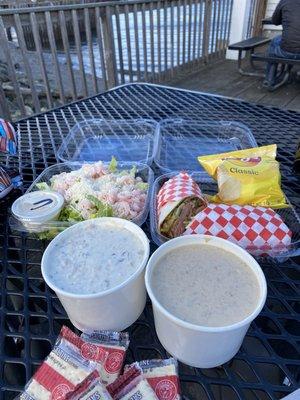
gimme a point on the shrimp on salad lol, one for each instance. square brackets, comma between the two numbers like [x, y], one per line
[97, 190]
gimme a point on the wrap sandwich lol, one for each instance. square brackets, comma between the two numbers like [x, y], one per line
[178, 201]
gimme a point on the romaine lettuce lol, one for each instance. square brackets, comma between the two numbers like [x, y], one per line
[113, 165]
[101, 209]
[43, 186]
[142, 185]
[70, 214]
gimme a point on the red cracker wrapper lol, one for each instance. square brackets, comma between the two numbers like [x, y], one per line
[173, 192]
[106, 349]
[132, 385]
[91, 389]
[114, 345]
[261, 231]
[87, 350]
[162, 376]
[63, 371]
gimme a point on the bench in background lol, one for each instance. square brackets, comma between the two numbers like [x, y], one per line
[286, 66]
[249, 45]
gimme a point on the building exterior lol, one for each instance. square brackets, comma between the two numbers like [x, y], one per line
[271, 30]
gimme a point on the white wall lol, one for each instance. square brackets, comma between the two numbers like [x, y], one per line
[240, 13]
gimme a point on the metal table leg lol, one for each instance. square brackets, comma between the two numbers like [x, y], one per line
[248, 73]
[285, 79]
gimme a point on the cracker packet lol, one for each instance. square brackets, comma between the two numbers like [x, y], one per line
[91, 389]
[62, 372]
[162, 375]
[115, 345]
[132, 385]
[246, 177]
[106, 349]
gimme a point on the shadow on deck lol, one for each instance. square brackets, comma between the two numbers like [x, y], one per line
[223, 78]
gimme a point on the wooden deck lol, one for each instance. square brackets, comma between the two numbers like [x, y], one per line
[152, 40]
[223, 78]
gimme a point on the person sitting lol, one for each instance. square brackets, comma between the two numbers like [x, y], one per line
[287, 14]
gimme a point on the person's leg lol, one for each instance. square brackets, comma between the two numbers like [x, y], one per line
[278, 52]
[271, 69]
[286, 75]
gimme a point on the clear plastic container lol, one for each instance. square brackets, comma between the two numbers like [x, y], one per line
[181, 141]
[98, 139]
[143, 170]
[209, 186]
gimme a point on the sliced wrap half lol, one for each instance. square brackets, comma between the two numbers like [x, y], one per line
[178, 201]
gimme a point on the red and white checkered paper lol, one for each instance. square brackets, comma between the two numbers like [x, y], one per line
[176, 189]
[259, 230]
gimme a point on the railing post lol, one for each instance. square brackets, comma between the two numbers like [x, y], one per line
[4, 110]
[207, 29]
[109, 47]
[259, 15]
[11, 68]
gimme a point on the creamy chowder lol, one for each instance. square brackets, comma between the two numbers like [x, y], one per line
[94, 258]
[205, 285]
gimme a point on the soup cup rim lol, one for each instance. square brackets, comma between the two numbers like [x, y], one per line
[183, 241]
[122, 223]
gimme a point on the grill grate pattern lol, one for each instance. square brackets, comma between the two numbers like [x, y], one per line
[266, 367]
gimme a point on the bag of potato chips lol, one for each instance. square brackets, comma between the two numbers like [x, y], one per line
[246, 177]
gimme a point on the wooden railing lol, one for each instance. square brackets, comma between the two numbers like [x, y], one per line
[58, 54]
[257, 13]
[38, 3]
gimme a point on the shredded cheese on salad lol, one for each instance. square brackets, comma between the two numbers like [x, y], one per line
[97, 190]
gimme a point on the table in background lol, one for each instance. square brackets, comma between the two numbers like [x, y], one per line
[267, 21]
[268, 364]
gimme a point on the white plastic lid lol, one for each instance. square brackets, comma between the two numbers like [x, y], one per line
[38, 206]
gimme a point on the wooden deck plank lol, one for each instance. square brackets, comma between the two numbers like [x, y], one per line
[223, 78]
[295, 104]
[284, 95]
[238, 85]
[253, 93]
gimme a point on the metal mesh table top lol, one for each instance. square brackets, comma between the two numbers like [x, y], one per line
[268, 363]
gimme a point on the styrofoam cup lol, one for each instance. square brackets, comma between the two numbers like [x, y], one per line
[114, 309]
[194, 345]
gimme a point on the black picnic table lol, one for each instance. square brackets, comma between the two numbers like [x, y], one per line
[267, 21]
[268, 363]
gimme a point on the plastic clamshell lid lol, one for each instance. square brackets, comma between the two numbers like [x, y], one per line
[181, 141]
[38, 206]
[98, 139]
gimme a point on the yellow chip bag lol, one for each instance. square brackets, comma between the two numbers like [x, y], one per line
[246, 177]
